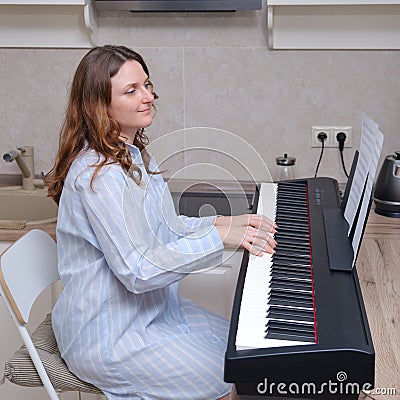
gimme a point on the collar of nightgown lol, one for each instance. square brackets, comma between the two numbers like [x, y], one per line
[136, 157]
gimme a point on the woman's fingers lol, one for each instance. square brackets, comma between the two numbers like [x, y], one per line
[262, 222]
[259, 241]
[252, 232]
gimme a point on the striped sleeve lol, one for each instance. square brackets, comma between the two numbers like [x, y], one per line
[131, 246]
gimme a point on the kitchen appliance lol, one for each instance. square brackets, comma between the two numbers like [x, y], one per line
[387, 187]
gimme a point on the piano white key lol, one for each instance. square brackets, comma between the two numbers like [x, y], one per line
[254, 304]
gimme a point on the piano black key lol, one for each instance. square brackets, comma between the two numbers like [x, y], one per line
[286, 267]
[291, 278]
[291, 326]
[296, 331]
[287, 284]
[287, 313]
[291, 337]
[295, 222]
[291, 198]
[290, 274]
[297, 210]
[284, 244]
[293, 293]
[287, 261]
[288, 301]
[292, 238]
[295, 252]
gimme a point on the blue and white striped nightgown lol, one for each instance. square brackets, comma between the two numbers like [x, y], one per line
[119, 322]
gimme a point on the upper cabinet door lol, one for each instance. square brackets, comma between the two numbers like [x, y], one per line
[47, 23]
[333, 24]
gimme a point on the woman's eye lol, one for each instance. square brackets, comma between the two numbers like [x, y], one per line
[131, 91]
[148, 85]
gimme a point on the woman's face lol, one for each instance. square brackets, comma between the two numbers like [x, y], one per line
[131, 99]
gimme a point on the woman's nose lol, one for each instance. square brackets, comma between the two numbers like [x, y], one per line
[147, 96]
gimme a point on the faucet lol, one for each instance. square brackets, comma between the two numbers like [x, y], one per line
[23, 156]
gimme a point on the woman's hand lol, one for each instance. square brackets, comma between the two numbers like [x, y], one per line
[253, 232]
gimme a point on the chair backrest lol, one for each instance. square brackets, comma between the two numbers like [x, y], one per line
[27, 268]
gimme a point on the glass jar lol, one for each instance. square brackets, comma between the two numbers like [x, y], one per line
[286, 167]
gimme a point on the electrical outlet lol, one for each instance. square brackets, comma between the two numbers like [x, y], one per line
[331, 132]
[345, 129]
[315, 131]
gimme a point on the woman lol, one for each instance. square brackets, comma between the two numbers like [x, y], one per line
[119, 322]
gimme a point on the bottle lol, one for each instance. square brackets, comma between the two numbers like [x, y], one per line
[286, 167]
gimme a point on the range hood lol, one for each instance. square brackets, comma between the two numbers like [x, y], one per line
[177, 5]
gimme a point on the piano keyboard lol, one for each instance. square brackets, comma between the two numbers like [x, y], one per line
[277, 307]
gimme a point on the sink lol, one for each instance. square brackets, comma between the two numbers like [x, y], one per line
[32, 206]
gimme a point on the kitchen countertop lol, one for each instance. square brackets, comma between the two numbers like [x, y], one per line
[377, 226]
[11, 235]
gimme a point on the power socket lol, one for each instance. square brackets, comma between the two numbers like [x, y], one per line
[347, 130]
[316, 130]
[331, 132]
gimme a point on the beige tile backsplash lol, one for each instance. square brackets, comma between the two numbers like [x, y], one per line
[213, 71]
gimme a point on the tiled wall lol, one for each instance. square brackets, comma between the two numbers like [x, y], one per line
[213, 70]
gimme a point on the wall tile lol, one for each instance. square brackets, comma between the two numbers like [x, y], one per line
[271, 99]
[212, 70]
[35, 86]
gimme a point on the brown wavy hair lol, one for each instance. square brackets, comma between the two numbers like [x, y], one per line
[87, 122]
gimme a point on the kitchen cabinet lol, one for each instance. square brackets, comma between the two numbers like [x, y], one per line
[214, 290]
[333, 24]
[47, 23]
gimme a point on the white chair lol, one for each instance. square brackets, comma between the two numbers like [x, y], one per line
[27, 268]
